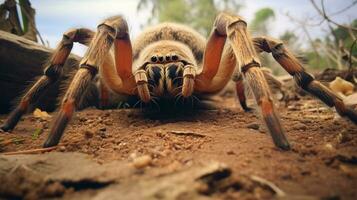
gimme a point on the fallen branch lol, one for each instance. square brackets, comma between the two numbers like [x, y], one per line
[268, 184]
[323, 13]
[31, 151]
[187, 133]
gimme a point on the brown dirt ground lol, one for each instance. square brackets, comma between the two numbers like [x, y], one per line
[322, 162]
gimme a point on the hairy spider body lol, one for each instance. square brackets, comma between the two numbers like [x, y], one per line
[169, 61]
[164, 52]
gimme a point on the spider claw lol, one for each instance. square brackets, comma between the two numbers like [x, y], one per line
[4, 128]
[245, 107]
[273, 124]
[351, 114]
[276, 131]
[12, 120]
[57, 130]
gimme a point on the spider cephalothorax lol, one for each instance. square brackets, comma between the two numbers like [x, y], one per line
[169, 60]
[164, 63]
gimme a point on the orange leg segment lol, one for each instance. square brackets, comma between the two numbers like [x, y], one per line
[51, 74]
[306, 81]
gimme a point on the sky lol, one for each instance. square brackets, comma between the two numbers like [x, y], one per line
[53, 17]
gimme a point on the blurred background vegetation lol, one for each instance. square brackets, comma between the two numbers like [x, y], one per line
[332, 51]
[336, 49]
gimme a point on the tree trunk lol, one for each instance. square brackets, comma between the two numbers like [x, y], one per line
[22, 60]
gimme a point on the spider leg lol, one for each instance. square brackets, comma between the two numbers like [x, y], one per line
[93, 60]
[189, 74]
[218, 61]
[305, 80]
[142, 85]
[103, 95]
[117, 75]
[216, 72]
[240, 90]
[249, 64]
[51, 74]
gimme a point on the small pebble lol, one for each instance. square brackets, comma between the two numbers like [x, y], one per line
[300, 126]
[88, 134]
[231, 152]
[329, 147]
[62, 148]
[254, 126]
[343, 137]
[142, 161]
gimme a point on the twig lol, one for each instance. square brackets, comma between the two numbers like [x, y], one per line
[350, 61]
[187, 133]
[303, 27]
[268, 184]
[344, 9]
[31, 151]
[34, 26]
[350, 75]
[326, 17]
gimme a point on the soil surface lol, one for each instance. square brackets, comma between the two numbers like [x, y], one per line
[161, 148]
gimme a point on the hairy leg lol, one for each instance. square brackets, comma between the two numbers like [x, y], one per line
[305, 80]
[103, 95]
[93, 60]
[51, 74]
[219, 61]
[240, 91]
[249, 64]
[216, 73]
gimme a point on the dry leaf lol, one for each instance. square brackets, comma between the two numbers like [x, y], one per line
[341, 86]
[41, 114]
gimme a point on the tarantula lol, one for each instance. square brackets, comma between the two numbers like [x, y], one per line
[169, 60]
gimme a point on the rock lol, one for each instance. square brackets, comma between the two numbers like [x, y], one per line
[349, 170]
[88, 134]
[343, 137]
[77, 176]
[62, 148]
[24, 64]
[300, 126]
[329, 147]
[47, 175]
[351, 100]
[41, 114]
[341, 86]
[253, 125]
[142, 161]
[230, 152]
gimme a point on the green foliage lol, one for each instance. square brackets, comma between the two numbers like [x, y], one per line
[316, 62]
[198, 14]
[261, 20]
[203, 15]
[173, 10]
[288, 37]
[343, 35]
[25, 20]
[329, 49]
[37, 133]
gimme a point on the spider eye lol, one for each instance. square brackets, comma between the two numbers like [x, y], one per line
[153, 59]
[174, 57]
[161, 58]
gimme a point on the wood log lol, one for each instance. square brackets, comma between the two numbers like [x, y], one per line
[24, 178]
[329, 75]
[21, 61]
